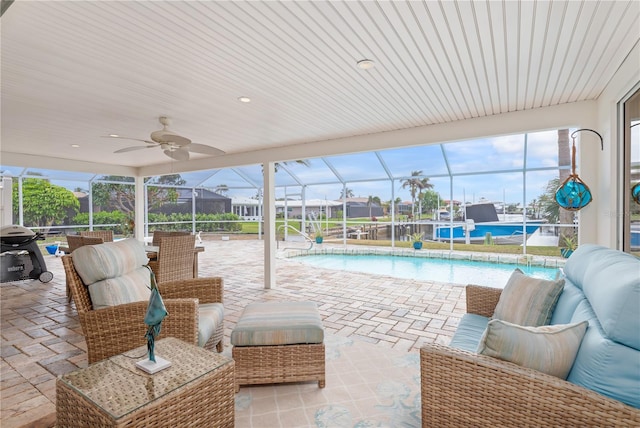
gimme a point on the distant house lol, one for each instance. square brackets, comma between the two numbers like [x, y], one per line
[249, 209]
[316, 207]
[403, 207]
[359, 207]
[206, 201]
[246, 208]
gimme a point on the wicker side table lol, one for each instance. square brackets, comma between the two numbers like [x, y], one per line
[197, 390]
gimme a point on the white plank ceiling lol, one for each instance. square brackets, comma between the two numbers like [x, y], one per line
[73, 71]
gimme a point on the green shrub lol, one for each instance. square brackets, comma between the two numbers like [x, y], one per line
[170, 222]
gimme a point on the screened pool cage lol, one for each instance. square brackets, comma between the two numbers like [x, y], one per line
[490, 191]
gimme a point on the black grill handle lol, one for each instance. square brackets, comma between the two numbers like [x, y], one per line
[28, 240]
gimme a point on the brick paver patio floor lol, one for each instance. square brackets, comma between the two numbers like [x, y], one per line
[42, 338]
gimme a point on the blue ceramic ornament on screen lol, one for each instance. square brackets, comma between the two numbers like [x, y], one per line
[573, 194]
[635, 193]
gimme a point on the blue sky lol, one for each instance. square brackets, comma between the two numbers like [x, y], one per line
[477, 156]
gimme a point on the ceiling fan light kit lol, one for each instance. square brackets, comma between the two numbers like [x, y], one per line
[173, 145]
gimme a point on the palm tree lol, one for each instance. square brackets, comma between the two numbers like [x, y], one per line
[415, 185]
[303, 162]
[424, 185]
[346, 193]
[532, 206]
[276, 165]
[548, 207]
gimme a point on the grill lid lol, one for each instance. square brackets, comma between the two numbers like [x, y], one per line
[15, 230]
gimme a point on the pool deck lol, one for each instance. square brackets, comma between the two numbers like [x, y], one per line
[42, 338]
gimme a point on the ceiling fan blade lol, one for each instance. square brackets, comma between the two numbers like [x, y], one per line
[128, 138]
[204, 149]
[177, 154]
[130, 149]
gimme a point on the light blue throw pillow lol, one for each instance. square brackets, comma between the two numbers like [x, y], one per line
[528, 301]
[550, 349]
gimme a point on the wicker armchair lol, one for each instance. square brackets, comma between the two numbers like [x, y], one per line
[106, 235]
[116, 329]
[174, 260]
[159, 234]
[460, 388]
[76, 241]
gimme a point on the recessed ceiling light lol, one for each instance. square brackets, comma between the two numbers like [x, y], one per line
[114, 135]
[366, 64]
[244, 99]
[75, 146]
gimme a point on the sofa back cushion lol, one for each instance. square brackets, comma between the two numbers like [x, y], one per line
[602, 286]
[569, 300]
[610, 280]
[604, 365]
[114, 272]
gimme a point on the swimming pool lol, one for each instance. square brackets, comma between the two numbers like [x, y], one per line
[480, 231]
[426, 268]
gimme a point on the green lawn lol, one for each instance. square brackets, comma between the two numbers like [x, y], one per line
[251, 228]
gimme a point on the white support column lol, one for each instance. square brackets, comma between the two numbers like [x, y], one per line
[7, 202]
[344, 213]
[138, 232]
[303, 210]
[393, 214]
[269, 202]
[91, 204]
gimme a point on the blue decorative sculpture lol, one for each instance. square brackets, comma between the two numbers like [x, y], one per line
[156, 312]
[573, 194]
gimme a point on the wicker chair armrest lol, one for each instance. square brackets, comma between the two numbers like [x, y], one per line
[482, 300]
[154, 265]
[182, 321]
[116, 329]
[460, 388]
[206, 290]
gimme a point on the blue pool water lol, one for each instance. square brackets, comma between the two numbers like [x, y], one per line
[429, 269]
[481, 230]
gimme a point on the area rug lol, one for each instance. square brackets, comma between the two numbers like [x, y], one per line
[366, 386]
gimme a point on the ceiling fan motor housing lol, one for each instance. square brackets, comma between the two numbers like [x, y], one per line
[165, 136]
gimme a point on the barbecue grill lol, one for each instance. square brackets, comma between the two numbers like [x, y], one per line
[21, 257]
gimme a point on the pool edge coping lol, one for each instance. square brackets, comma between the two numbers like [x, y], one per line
[498, 258]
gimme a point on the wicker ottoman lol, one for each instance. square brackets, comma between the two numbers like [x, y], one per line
[278, 342]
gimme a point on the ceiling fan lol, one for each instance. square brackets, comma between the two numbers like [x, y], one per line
[175, 146]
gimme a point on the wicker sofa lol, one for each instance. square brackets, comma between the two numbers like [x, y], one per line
[462, 388]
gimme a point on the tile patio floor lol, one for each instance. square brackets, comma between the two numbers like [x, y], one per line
[42, 338]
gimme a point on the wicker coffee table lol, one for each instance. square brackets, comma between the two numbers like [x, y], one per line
[197, 390]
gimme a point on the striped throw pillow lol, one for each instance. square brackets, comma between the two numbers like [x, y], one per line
[528, 301]
[550, 349]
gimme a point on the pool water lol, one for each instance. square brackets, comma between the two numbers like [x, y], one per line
[428, 269]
